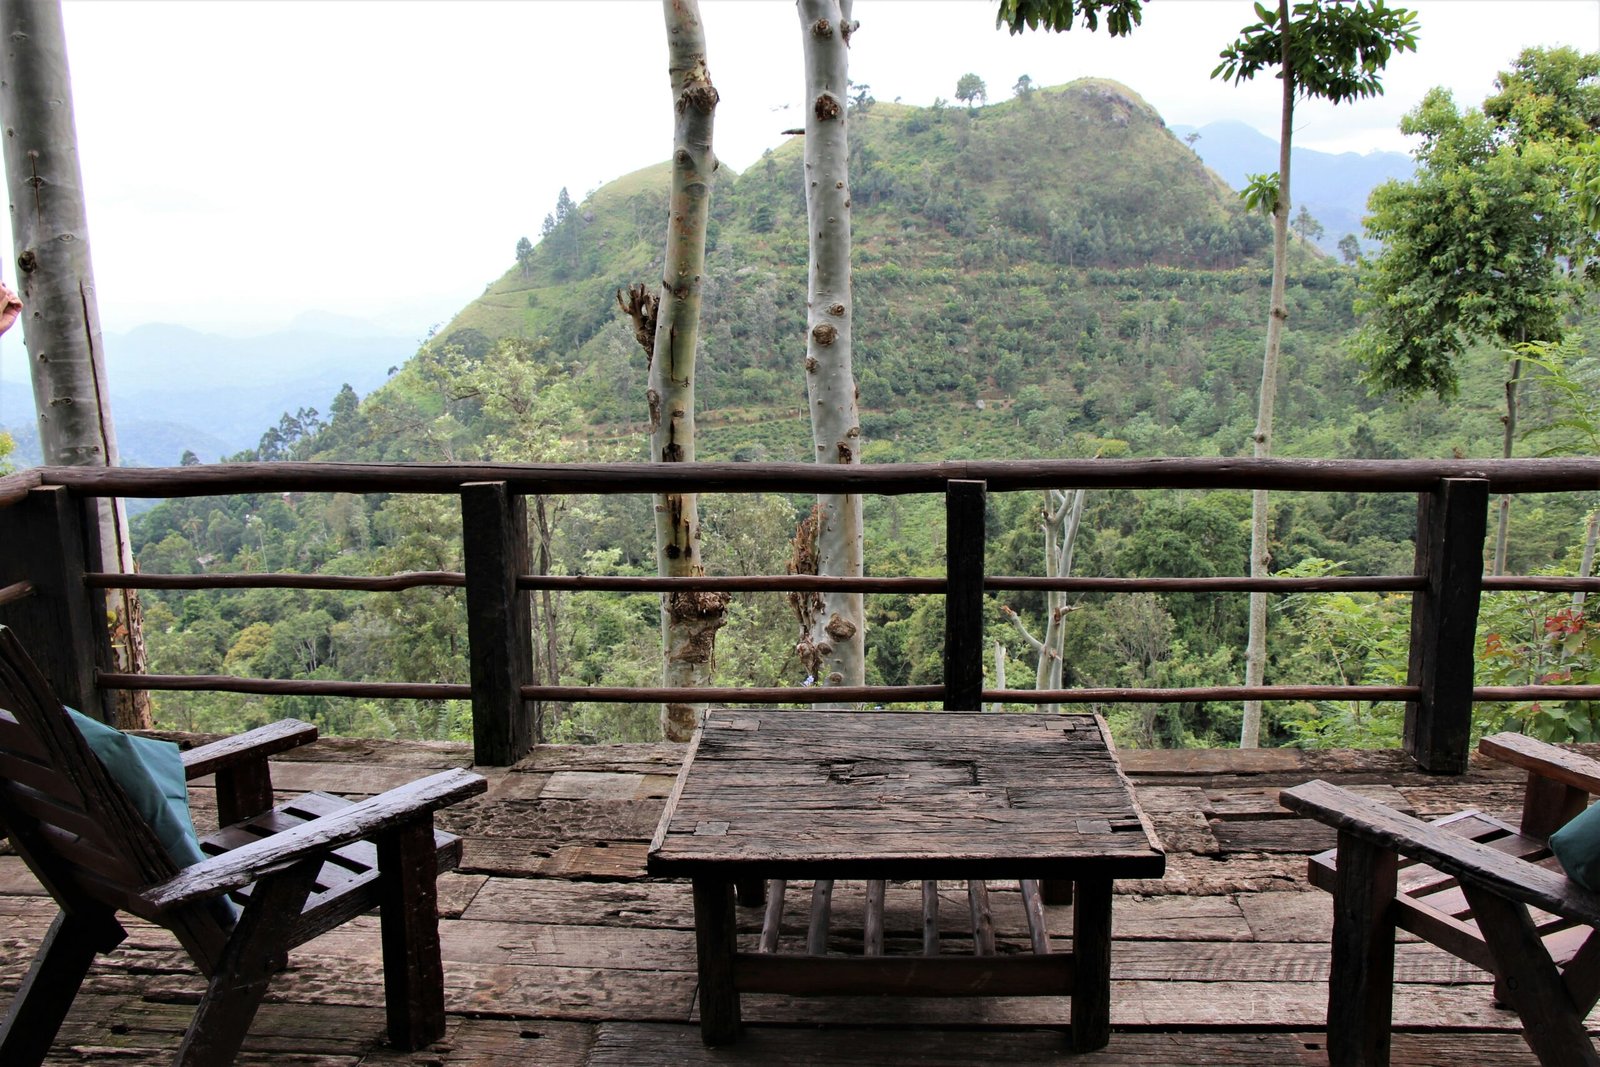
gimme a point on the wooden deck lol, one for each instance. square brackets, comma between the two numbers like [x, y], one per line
[560, 952]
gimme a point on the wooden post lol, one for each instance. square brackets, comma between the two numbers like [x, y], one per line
[1444, 622]
[1091, 956]
[413, 971]
[62, 622]
[1361, 977]
[963, 600]
[494, 539]
[716, 941]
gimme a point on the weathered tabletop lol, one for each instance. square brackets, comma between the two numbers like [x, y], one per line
[885, 795]
[802, 794]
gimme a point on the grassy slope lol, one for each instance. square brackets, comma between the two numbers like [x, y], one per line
[1066, 242]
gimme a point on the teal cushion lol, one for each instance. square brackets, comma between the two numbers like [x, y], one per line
[1577, 846]
[151, 773]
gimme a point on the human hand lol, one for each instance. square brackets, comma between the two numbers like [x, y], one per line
[10, 307]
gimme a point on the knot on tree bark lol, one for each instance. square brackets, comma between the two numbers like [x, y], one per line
[846, 453]
[836, 310]
[827, 107]
[678, 721]
[701, 605]
[840, 628]
[808, 655]
[703, 98]
[642, 307]
[811, 364]
[822, 28]
[653, 398]
[824, 333]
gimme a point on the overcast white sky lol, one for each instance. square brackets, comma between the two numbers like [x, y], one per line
[249, 161]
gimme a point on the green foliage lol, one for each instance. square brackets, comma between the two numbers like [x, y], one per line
[1058, 15]
[6, 445]
[1570, 379]
[1093, 292]
[1260, 193]
[1538, 639]
[970, 90]
[1335, 51]
[1475, 246]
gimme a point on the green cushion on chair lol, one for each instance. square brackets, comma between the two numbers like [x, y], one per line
[1577, 846]
[151, 773]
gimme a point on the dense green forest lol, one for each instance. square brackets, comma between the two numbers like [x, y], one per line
[1054, 276]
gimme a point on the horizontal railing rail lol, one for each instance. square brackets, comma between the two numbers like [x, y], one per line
[884, 479]
[1445, 587]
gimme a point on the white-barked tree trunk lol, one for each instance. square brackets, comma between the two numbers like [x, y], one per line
[833, 644]
[689, 620]
[61, 319]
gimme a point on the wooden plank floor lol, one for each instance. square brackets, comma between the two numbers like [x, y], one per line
[559, 952]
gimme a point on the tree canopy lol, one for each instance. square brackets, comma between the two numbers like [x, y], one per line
[1058, 15]
[1483, 243]
[1335, 52]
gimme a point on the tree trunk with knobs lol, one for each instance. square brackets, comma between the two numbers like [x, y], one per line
[61, 318]
[689, 620]
[832, 643]
[1255, 657]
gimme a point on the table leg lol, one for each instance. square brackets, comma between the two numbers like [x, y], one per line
[715, 936]
[1091, 952]
[1055, 891]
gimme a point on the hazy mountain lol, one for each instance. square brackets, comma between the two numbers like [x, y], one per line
[1333, 187]
[173, 388]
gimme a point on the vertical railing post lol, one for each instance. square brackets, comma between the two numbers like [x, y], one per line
[62, 623]
[963, 600]
[1451, 520]
[494, 541]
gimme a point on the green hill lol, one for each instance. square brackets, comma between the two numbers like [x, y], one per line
[1057, 275]
[992, 251]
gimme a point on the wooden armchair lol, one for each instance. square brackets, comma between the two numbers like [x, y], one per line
[299, 869]
[1487, 892]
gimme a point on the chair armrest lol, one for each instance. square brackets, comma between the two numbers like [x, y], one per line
[254, 744]
[1544, 759]
[245, 864]
[1468, 860]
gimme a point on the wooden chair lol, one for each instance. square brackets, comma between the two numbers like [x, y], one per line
[1484, 890]
[300, 869]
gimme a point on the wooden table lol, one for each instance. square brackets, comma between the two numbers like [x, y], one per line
[769, 794]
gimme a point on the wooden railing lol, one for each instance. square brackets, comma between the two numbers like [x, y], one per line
[52, 588]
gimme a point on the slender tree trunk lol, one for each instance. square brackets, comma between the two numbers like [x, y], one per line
[61, 322]
[999, 672]
[1586, 566]
[1508, 438]
[1066, 512]
[833, 644]
[1255, 659]
[546, 661]
[1061, 512]
[689, 621]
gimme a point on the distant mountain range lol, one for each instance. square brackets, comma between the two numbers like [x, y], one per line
[1332, 186]
[175, 389]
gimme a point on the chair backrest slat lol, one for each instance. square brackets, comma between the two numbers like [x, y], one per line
[120, 848]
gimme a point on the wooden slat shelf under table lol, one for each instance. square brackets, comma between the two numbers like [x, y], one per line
[777, 794]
